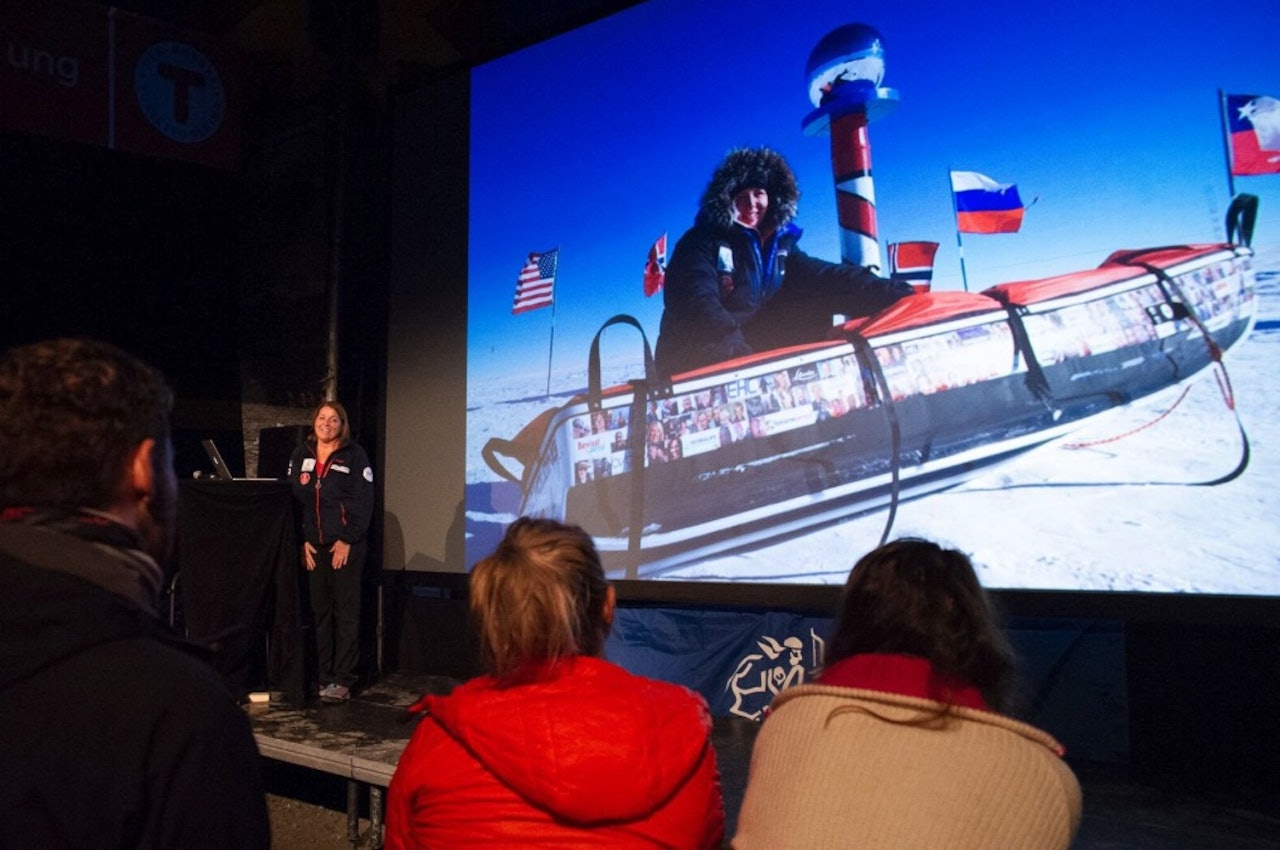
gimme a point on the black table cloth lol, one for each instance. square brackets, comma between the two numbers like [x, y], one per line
[240, 581]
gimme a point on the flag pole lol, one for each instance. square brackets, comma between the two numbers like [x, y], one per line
[955, 213]
[1226, 142]
[551, 346]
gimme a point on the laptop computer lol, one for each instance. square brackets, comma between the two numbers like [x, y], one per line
[215, 457]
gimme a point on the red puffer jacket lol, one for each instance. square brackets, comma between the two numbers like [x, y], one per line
[586, 756]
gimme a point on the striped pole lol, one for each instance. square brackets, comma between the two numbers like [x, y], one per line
[845, 70]
[855, 190]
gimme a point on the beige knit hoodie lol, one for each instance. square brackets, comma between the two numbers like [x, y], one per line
[845, 767]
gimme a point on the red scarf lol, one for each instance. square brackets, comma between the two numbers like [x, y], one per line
[907, 675]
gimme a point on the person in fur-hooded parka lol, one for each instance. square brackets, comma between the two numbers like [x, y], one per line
[737, 283]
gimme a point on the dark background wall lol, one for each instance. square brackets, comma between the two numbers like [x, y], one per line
[259, 286]
[138, 251]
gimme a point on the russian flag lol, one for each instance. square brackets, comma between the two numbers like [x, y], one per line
[985, 206]
[1254, 125]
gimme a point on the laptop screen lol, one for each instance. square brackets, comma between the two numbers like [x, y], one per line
[215, 456]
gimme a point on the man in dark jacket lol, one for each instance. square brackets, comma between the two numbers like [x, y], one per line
[114, 732]
[737, 282]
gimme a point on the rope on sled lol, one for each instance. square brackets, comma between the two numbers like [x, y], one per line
[1242, 464]
[1183, 308]
[1118, 437]
[1224, 386]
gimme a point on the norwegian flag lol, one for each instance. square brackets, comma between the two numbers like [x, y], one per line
[912, 262]
[655, 268]
[535, 287]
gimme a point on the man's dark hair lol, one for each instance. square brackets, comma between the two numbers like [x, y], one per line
[71, 413]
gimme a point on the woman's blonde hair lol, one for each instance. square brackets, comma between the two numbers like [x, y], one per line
[539, 598]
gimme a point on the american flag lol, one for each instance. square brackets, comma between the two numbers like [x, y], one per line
[536, 284]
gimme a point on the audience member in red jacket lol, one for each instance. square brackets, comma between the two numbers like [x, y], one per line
[555, 747]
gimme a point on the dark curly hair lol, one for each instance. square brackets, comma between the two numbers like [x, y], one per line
[750, 168]
[71, 413]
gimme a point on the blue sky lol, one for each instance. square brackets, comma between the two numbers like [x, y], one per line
[600, 140]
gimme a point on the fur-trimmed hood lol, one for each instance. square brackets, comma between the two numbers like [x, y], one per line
[745, 168]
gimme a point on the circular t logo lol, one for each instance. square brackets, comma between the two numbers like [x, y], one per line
[179, 91]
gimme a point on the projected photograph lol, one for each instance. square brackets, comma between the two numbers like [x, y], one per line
[749, 295]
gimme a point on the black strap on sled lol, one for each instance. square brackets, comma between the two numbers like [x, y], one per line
[1037, 381]
[1178, 299]
[641, 389]
[866, 353]
[593, 359]
[1179, 306]
[1241, 217]
[498, 446]
[1174, 296]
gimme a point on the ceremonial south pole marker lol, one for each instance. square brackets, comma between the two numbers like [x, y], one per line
[845, 71]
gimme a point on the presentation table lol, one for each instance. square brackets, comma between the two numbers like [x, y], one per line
[239, 580]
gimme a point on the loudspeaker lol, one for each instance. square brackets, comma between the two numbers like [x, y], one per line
[275, 447]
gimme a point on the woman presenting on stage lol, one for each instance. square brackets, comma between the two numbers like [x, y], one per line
[333, 480]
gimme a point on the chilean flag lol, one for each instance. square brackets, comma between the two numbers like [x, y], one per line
[985, 206]
[1254, 125]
